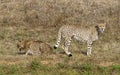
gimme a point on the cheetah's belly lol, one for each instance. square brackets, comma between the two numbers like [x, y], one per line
[80, 38]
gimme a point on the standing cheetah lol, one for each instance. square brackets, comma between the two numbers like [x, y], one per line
[85, 34]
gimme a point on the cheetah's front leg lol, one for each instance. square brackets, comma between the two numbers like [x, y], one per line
[66, 46]
[89, 48]
[29, 52]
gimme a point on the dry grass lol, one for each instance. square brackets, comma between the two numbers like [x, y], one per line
[41, 19]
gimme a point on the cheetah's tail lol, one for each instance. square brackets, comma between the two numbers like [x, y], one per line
[58, 40]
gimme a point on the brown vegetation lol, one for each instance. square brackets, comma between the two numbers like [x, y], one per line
[41, 19]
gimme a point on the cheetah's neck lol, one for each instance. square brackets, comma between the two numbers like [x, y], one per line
[98, 30]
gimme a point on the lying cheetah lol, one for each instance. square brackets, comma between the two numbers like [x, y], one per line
[33, 47]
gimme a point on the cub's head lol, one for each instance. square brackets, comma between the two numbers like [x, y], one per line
[20, 45]
[23, 46]
[101, 27]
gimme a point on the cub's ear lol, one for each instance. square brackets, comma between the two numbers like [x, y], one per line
[18, 41]
[18, 45]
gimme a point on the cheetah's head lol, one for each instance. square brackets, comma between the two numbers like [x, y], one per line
[102, 27]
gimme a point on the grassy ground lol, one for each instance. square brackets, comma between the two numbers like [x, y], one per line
[41, 19]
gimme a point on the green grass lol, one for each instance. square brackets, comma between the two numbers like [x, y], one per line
[36, 68]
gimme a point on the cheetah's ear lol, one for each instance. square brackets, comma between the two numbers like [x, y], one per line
[104, 23]
[97, 27]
